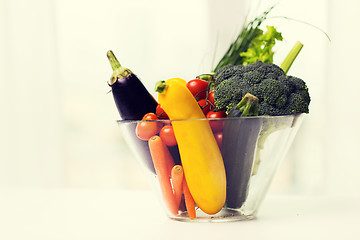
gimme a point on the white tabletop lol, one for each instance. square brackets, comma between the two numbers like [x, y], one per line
[116, 214]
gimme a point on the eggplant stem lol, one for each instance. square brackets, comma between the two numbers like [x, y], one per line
[119, 71]
[115, 64]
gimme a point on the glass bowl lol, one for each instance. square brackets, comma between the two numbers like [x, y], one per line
[251, 148]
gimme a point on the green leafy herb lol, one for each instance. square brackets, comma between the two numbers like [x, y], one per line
[261, 47]
[242, 42]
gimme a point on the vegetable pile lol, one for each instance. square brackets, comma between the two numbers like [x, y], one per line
[197, 142]
[194, 160]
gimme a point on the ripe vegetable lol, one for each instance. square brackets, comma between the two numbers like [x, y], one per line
[168, 136]
[160, 112]
[216, 125]
[131, 97]
[177, 177]
[162, 160]
[150, 116]
[147, 128]
[132, 100]
[278, 94]
[189, 201]
[200, 155]
[211, 99]
[242, 133]
[238, 161]
[204, 105]
[198, 88]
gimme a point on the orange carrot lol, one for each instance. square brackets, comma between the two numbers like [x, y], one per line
[170, 163]
[189, 201]
[160, 156]
[177, 176]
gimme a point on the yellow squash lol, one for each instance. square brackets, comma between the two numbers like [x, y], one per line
[200, 155]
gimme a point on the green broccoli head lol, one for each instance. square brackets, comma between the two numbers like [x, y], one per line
[278, 94]
[272, 92]
[227, 72]
[298, 102]
[298, 97]
[228, 92]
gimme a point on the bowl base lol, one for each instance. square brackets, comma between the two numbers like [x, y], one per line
[225, 215]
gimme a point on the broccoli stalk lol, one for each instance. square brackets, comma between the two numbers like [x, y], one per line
[286, 64]
[248, 106]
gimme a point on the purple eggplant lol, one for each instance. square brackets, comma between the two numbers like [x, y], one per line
[133, 101]
[240, 137]
[131, 97]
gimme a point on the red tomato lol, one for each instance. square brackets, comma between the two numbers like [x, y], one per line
[145, 130]
[216, 114]
[161, 113]
[211, 98]
[204, 105]
[198, 88]
[216, 125]
[167, 135]
[150, 116]
[218, 137]
[153, 116]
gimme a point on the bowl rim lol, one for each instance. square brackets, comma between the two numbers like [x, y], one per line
[122, 121]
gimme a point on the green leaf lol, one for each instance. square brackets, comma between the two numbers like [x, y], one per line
[261, 47]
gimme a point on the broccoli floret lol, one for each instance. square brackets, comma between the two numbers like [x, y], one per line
[298, 102]
[253, 77]
[297, 83]
[251, 67]
[287, 84]
[272, 92]
[267, 109]
[299, 98]
[228, 72]
[278, 94]
[226, 94]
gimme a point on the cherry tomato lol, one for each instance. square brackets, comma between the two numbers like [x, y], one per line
[218, 137]
[167, 135]
[198, 88]
[204, 105]
[161, 113]
[150, 116]
[153, 116]
[147, 128]
[216, 125]
[211, 98]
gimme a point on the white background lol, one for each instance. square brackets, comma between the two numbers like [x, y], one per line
[57, 125]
